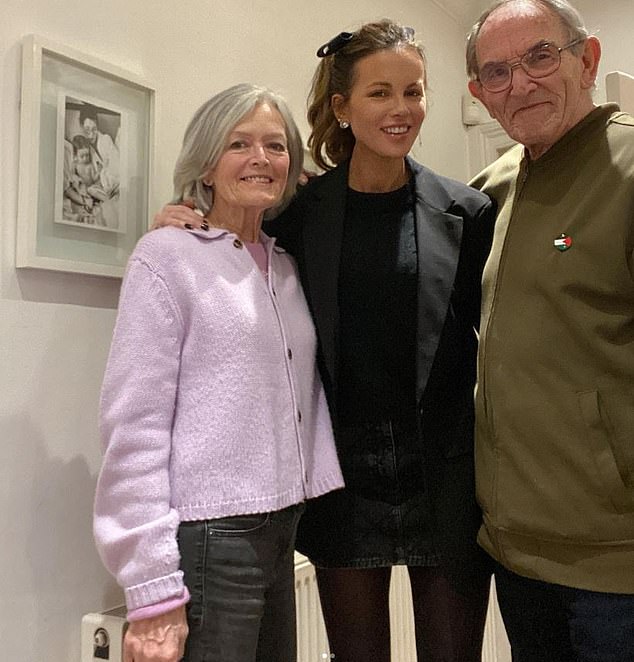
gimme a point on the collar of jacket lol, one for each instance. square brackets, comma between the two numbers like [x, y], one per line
[438, 238]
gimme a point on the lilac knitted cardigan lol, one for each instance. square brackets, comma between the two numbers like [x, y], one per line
[211, 403]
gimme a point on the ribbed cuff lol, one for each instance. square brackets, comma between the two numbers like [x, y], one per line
[154, 591]
[159, 608]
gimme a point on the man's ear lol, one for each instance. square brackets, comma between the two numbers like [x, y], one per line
[591, 57]
[477, 91]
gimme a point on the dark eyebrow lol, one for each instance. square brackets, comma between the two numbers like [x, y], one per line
[382, 83]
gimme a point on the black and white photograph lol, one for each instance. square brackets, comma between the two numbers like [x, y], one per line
[89, 172]
[86, 152]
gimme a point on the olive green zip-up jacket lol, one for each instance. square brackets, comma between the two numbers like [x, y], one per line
[555, 397]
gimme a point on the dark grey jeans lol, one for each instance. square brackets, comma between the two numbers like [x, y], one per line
[240, 573]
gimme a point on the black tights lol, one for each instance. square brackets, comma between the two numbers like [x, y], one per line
[355, 602]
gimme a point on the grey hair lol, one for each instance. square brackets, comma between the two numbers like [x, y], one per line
[206, 137]
[568, 16]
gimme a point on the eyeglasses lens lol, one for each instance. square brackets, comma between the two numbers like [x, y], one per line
[537, 63]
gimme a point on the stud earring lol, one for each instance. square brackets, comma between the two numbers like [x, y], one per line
[343, 124]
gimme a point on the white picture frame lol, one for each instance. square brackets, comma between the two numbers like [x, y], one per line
[86, 161]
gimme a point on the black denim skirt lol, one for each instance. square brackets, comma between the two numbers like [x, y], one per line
[382, 517]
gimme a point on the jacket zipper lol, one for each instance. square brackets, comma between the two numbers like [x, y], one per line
[488, 409]
[522, 177]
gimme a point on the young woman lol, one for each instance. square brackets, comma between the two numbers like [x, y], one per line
[390, 256]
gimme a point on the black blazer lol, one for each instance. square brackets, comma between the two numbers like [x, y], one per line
[454, 227]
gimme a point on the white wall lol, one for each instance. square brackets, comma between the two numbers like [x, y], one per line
[55, 328]
[613, 22]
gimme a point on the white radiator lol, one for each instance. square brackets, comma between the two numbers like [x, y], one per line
[102, 634]
[312, 644]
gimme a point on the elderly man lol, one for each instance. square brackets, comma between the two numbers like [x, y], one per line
[555, 401]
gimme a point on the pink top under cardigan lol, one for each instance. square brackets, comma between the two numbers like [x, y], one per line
[211, 403]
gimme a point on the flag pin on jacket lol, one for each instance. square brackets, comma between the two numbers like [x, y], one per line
[563, 242]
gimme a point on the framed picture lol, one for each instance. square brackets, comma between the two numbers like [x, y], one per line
[86, 150]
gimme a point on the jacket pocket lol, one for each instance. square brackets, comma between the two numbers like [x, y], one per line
[606, 415]
[617, 411]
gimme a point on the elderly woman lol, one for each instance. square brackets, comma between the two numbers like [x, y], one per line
[213, 416]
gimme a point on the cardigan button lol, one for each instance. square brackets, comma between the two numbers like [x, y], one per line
[237, 243]
[290, 353]
[299, 416]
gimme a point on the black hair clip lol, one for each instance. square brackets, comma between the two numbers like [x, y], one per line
[335, 44]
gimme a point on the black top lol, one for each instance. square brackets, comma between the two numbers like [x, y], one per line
[377, 304]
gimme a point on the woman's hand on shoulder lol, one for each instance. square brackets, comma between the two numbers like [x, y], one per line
[183, 215]
[305, 176]
[157, 639]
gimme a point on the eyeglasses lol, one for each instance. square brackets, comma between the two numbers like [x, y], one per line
[538, 62]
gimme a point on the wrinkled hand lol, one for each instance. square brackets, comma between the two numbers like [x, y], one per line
[158, 639]
[181, 216]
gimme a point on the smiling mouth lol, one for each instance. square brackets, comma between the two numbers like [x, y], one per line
[395, 130]
[257, 179]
